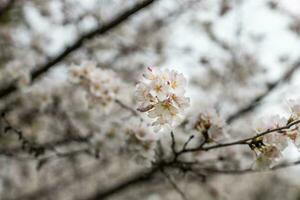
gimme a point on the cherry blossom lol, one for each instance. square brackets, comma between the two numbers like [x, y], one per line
[267, 157]
[210, 124]
[162, 95]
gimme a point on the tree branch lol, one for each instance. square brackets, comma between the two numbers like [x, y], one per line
[40, 70]
[242, 141]
[148, 174]
[174, 163]
[174, 185]
[256, 101]
[6, 7]
[135, 179]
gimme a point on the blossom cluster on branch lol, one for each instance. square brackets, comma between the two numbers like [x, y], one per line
[162, 95]
[209, 124]
[268, 148]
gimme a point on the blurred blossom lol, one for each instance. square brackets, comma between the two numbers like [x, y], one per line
[266, 158]
[141, 141]
[268, 148]
[102, 86]
[17, 71]
[295, 107]
[271, 122]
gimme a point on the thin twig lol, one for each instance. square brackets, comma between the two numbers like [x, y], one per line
[187, 142]
[242, 141]
[174, 185]
[173, 144]
[126, 107]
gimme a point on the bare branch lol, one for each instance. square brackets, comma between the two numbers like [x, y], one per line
[173, 144]
[187, 142]
[135, 179]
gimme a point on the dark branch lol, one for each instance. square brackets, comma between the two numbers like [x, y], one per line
[40, 70]
[148, 175]
[126, 107]
[255, 102]
[6, 7]
[137, 178]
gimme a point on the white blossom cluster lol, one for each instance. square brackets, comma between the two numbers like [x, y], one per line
[162, 95]
[102, 86]
[269, 150]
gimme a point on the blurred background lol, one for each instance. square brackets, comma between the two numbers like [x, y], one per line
[241, 57]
